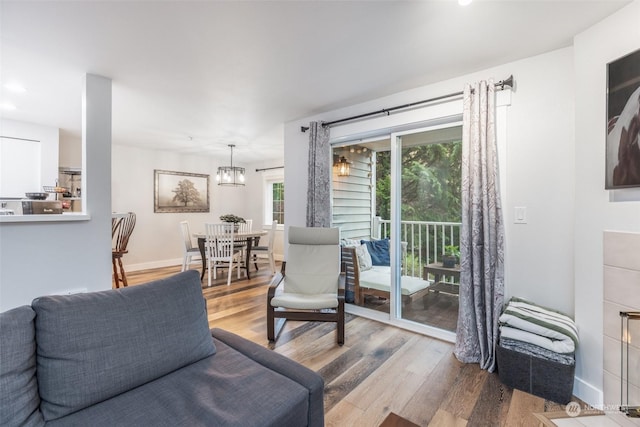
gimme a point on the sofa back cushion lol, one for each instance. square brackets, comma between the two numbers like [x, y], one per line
[19, 399]
[96, 345]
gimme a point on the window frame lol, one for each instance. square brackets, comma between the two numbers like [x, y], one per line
[268, 179]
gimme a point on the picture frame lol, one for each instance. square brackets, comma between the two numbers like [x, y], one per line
[623, 122]
[177, 192]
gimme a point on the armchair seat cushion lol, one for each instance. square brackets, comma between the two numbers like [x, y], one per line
[304, 301]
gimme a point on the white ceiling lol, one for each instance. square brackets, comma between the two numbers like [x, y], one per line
[194, 76]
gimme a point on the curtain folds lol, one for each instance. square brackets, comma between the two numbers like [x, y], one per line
[482, 232]
[318, 194]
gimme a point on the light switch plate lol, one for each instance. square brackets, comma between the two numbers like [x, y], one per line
[520, 215]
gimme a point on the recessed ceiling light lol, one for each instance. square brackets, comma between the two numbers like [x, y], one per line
[7, 106]
[464, 2]
[15, 87]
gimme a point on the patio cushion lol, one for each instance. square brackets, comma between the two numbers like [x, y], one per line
[364, 259]
[379, 251]
[380, 278]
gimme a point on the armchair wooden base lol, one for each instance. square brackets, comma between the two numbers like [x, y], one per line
[277, 316]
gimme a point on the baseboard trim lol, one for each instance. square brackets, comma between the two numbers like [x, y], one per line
[153, 264]
[588, 393]
[170, 263]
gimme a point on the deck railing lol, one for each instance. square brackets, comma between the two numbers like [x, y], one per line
[425, 241]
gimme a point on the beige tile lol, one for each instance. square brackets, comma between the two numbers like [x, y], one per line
[623, 420]
[611, 357]
[611, 388]
[622, 249]
[622, 286]
[611, 319]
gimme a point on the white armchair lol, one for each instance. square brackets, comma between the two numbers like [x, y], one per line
[311, 287]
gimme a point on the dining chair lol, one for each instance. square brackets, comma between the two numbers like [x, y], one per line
[264, 254]
[220, 251]
[243, 227]
[312, 286]
[119, 242]
[190, 253]
[246, 226]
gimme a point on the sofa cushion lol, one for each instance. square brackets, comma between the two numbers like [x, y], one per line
[379, 251]
[226, 389]
[19, 399]
[94, 346]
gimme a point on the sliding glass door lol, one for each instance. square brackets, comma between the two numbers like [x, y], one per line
[404, 187]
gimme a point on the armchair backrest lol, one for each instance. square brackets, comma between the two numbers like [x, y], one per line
[313, 264]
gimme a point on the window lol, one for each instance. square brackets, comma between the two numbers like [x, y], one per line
[274, 199]
[277, 191]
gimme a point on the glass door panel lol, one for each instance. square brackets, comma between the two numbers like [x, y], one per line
[426, 221]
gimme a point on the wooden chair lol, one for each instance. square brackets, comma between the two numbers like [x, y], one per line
[120, 235]
[312, 287]
[264, 254]
[220, 251]
[190, 253]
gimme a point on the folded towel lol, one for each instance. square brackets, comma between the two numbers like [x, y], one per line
[537, 351]
[558, 346]
[558, 330]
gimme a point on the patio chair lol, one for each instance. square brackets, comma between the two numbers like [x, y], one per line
[311, 287]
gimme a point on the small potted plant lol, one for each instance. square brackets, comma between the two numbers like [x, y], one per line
[233, 219]
[451, 256]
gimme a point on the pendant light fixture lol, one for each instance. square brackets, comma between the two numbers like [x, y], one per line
[232, 176]
[343, 166]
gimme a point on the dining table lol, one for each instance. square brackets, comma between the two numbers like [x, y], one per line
[249, 238]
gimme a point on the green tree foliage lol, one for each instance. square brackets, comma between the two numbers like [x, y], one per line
[431, 179]
[186, 192]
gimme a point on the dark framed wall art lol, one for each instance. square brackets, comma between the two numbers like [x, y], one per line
[180, 192]
[623, 122]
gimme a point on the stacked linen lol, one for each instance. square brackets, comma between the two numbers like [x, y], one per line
[531, 329]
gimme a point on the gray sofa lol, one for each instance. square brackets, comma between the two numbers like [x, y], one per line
[144, 356]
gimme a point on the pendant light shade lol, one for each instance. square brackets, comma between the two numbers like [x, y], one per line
[232, 176]
[343, 166]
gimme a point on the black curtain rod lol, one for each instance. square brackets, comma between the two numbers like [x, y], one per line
[268, 169]
[508, 82]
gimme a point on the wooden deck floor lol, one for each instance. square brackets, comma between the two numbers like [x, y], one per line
[380, 369]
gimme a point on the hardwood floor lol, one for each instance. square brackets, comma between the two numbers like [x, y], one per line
[380, 369]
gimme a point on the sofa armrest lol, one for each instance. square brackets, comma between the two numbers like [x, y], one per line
[284, 366]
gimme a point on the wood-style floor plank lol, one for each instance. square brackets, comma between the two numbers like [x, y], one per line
[380, 369]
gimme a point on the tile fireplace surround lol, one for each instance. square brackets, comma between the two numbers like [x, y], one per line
[621, 293]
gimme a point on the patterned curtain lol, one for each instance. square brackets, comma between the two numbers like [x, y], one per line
[482, 232]
[318, 196]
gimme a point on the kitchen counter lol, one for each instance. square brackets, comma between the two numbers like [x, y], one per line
[64, 217]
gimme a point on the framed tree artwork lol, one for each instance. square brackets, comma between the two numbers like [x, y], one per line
[623, 122]
[180, 192]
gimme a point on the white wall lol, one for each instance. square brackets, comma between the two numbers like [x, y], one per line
[596, 209]
[156, 240]
[49, 142]
[39, 258]
[540, 167]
